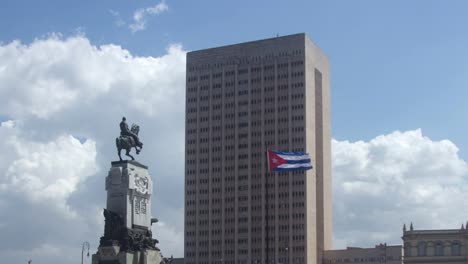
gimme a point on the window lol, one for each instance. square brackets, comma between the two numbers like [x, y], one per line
[456, 248]
[192, 79]
[439, 248]
[243, 71]
[241, 82]
[243, 124]
[421, 248]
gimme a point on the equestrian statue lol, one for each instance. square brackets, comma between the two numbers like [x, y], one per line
[128, 139]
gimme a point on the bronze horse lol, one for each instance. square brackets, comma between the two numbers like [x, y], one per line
[127, 143]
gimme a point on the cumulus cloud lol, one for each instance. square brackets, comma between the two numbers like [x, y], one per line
[394, 179]
[54, 74]
[37, 179]
[47, 172]
[63, 99]
[140, 16]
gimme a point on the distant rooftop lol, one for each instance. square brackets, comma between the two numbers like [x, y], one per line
[177, 261]
[412, 231]
[297, 35]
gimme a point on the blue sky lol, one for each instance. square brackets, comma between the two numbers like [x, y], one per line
[395, 64]
[398, 80]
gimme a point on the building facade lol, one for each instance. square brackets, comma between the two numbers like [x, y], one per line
[435, 246]
[376, 255]
[240, 101]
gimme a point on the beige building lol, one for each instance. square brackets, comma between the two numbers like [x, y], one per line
[376, 255]
[240, 100]
[435, 246]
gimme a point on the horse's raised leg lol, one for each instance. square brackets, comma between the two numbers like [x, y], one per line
[128, 154]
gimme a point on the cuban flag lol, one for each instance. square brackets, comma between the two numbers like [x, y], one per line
[288, 161]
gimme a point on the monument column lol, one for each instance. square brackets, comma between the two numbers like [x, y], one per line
[129, 188]
[127, 235]
[127, 232]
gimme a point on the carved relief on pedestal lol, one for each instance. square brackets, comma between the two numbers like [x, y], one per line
[141, 184]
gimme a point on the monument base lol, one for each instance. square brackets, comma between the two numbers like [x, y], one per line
[113, 255]
[127, 235]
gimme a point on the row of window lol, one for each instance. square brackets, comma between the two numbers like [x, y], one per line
[257, 80]
[240, 220]
[280, 98]
[214, 180]
[230, 210]
[231, 147]
[254, 90]
[243, 241]
[231, 116]
[235, 60]
[215, 129]
[241, 136]
[240, 178]
[381, 259]
[439, 249]
[295, 63]
[204, 119]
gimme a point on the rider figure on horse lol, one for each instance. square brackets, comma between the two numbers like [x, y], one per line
[128, 139]
[125, 131]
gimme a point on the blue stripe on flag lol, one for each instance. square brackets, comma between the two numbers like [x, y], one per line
[289, 153]
[294, 161]
[298, 161]
[292, 169]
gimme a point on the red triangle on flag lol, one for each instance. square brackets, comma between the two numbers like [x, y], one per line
[274, 160]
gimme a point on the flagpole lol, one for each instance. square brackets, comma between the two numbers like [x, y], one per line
[268, 161]
[266, 210]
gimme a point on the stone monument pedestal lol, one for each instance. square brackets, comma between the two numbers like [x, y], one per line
[127, 233]
[113, 255]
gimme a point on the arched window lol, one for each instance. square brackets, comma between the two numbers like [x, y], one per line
[421, 248]
[407, 249]
[456, 248]
[439, 248]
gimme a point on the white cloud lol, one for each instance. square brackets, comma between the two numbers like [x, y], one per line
[395, 179]
[43, 172]
[37, 179]
[140, 16]
[48, 172]
[57, 90]
[8, 124]
[119, 22]
[52, 75]
[64, 98]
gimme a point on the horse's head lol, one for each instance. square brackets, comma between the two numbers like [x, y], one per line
[135, 128]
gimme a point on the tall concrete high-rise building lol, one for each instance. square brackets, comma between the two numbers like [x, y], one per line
[242, 100]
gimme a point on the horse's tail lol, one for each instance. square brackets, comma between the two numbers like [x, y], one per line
[117, 143]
